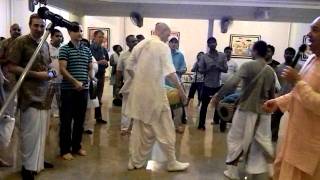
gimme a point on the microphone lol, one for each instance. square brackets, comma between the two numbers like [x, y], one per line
[56, 19]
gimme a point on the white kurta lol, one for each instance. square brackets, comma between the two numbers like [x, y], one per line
[7, 121]
[54, 55]
[92, 103]
[151, 61]
[121, 66]
[148, 104]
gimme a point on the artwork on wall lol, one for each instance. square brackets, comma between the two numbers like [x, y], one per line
[306, 41]
[242, 44]
[172, 35]
[106, 39]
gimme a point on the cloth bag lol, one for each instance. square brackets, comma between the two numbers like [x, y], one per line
[6, 122]
[6, 130]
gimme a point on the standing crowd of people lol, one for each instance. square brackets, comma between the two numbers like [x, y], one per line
[67, 82]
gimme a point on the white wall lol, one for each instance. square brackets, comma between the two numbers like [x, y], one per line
[275, 33]
[13, 11]
[17, 11]
[5, 17]
[20, 14]
[298, 30]
[192, 39]
[193, 34]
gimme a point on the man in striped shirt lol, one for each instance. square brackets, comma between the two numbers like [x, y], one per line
[75, 66]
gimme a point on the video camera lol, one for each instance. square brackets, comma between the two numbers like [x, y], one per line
[56, 19]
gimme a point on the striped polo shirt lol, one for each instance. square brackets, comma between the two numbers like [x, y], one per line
[78, 60]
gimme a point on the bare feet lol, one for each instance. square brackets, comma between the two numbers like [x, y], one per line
[180, 130]
[82, 152]
[67, 157]
[123, 132]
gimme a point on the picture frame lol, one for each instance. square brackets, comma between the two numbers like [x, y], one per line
[173, 34]
[305, 41]
[242, 45]
[106, 39]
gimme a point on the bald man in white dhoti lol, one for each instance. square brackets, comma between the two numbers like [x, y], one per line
[148, 66]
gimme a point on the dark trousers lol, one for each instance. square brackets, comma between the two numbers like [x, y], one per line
[207, 93]
[275, 122]
[196, 87]
[73, 107]
[100, 86]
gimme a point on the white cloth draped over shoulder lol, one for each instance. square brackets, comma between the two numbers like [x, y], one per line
[151, 62]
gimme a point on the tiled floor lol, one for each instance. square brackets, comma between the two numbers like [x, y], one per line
[108, 153]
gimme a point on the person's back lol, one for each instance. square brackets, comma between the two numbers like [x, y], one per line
[254, 94]
[148, 54]
[250, 134]
[148, 104]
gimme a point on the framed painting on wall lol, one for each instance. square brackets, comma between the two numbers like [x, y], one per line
[242, 45]
[172, 35]
[106, 39]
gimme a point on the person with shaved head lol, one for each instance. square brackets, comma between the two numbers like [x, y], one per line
[149, 64]
[298, 156]
[15, 32]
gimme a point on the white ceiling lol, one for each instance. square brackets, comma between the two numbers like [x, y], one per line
[279, 10]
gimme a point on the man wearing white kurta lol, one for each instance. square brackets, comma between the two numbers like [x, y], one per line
[131, 41]
[54, 46]
[148, 65]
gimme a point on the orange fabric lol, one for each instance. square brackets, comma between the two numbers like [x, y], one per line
[285, 171]
[301, 144]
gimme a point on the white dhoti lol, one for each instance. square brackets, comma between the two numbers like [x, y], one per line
[12, 107]
[89, 121]
[143, 137]
[55, 106]
[250, 133]
[7, 121]
[125, 120]
[33, 137]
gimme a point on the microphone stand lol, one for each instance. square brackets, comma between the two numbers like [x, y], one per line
[26, 70]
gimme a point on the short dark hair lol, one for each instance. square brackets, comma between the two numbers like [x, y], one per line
[199, 53]
[97, 32]
[74, 28]
[174, 40]
[227, 48]
[85, 42]
[128, 37]
[54, 31]
[115, 47]
[210, 39]
[271, 47]
[140, 37]
[291, 50]
[33, 16]
[261, 48]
